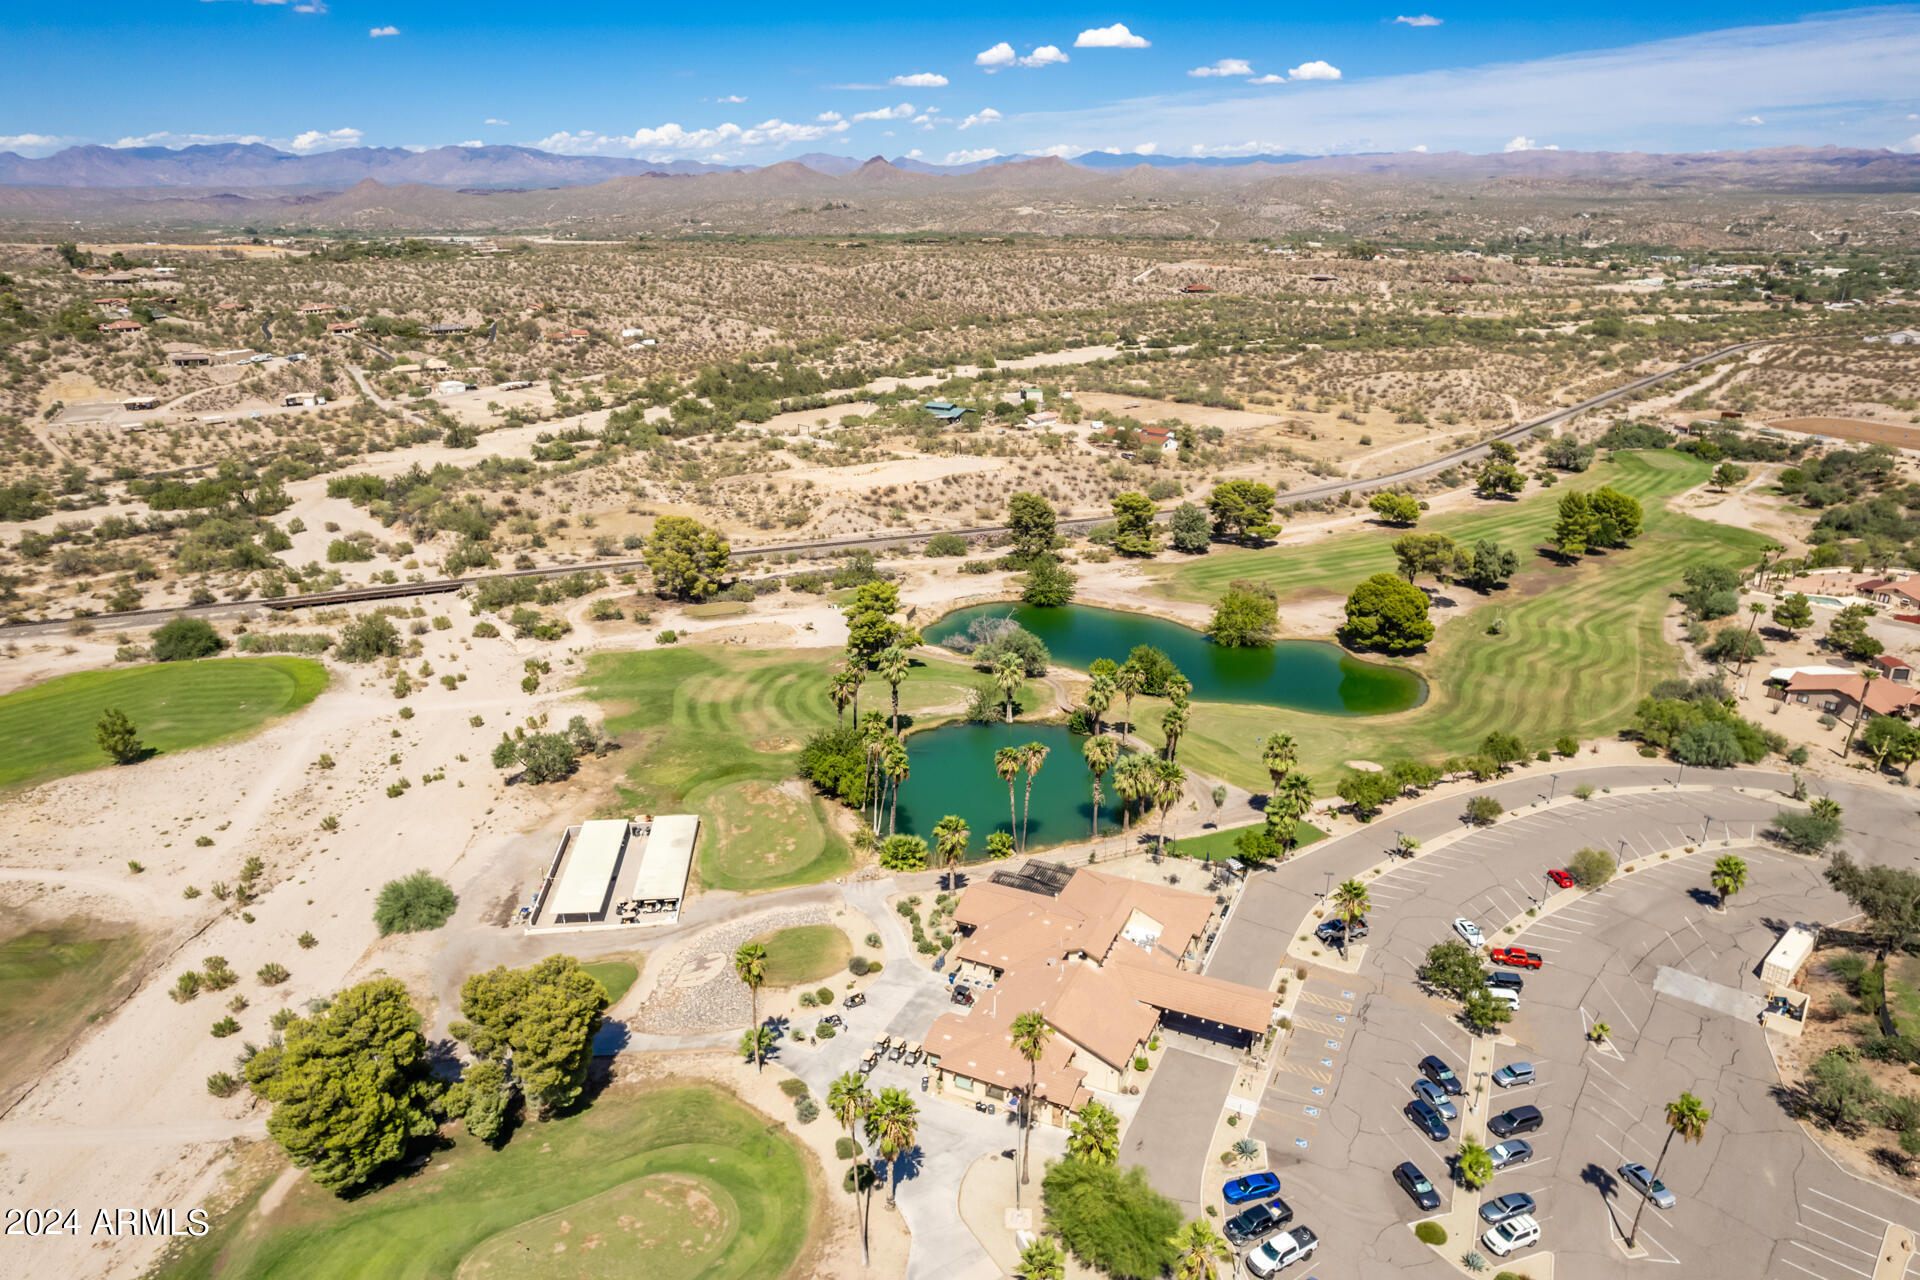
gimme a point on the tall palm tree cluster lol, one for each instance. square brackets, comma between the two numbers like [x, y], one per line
[890, 1121]
[1010, 763]
[1291, 795]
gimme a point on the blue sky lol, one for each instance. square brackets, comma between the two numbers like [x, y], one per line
[750, 83]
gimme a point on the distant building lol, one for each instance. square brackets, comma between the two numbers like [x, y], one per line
[1895, 669]
[1196, 288]
[344, 326]
[121, 326]
[1898, 338]
[568, 335]
[446, 330]
[140, 403]
[187, 359]
[318, 309]
[946, 410]
[1043, 419]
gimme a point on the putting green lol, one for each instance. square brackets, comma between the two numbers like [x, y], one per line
[661, 1227]
[617, 976]
[649, 1155]
[49, 727]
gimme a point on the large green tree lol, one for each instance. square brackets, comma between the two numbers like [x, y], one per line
[539, 1023]
[686, 558]
[1577, 526]
[1889, 897]
[1396, 508]
[349, 1085]
[1242, 510]
[1793, 612]
[1112, 1221]
[1247, 616]
[1487, 566]
[1385, 613]
[1616, 516]
[870, 624]
[1133, 519]
[183, 639]
[1428, 553]
[1032, 525]
[1192, 531]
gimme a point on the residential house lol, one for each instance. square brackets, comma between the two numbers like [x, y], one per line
[1046, 419]
[446, 330]
[121, 326]
[1837, 691]
[1158, 438]
[1108, 961]
[188, 359]
[568, 335]
[318, 309]
[344, 326]
[1895, 669]
[946, 410]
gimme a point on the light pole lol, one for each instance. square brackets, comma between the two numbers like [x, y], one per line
[1553, 785]
[1328, 887]
[1706, 829]
[1679, 773]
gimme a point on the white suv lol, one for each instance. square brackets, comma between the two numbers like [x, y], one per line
[1469, 933]
[1512, 1235]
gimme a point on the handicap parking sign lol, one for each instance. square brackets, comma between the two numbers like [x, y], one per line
[1326, 1062]
[1346, 995]
[1300, 1142]
[1319, 1091]
[1311, 1111]
[1333, 1044]
[1339, 1017]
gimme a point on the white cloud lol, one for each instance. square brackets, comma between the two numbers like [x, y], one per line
[1230, 149]
[1419, 20]
[900, 112]
[474, 143]
[1114, 37]
[324, 140]
[1751, 121]
[1045, 55]
[985, 115]
[313, 140]
[914, 154]
[1268, 78]
[1421, 148]
[1910, 145]
[920, 80]
[971, 157]
[1315, 70]
[378, 32]
[732, 99]
[1224, 67]
[1146, 148]
[29, 143]
[1523, 143]
[1001, 55]
[669, 140]
[1062, 151]
[491, 120]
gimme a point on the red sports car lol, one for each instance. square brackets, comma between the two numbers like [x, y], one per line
[1561, 878]
[1518, 957]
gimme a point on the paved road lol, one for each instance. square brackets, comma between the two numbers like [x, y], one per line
[1315, 493]
[1675, 979]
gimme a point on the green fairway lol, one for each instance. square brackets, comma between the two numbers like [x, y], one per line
[1580, 644]
[53, 981]
[1215, 846]
[617, 976]
[48, 728]
[717, 732]
[671, 1183]
[805, 953]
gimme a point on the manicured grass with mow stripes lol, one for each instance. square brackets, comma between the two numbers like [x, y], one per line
[48, 729]
[1337, 564]
[1580, 645]
[716, 731]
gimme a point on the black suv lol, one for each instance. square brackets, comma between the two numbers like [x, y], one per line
[1415, 1184]
[1254, 1224]
[1517, 1121]
[1441, 1074]
[1501, 978]
[1336, 929]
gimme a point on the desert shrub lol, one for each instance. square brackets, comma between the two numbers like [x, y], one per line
[1430, 1233]
[184, 639]
[1591, 868]
[1112, 1221]
[415, 904]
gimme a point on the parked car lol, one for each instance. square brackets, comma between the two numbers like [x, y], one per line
[1518, 957]
[1255, 1186]
[855, 1000]
[1427, 1119]
[1505, 996]
[1469, 933]
[1415, 1184]
[1437, 1098]
[1441, 1074]
[1253, 1225]
[1514, 1074]
[1512, 1235]
[1512, 1152]
[1282, 1251]
[1336, 929]
[962, 995]
[1516, 1121]
[833, 1020]
[1560, 878]
[1507, 1206]
[1641, 1179]
[1501, 980]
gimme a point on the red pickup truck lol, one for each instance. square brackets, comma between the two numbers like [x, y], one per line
[1518, 957]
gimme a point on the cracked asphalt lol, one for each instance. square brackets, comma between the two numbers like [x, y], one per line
[1649, 954]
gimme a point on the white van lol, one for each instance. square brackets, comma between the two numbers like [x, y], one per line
[1512, 1235]
[1511, 999]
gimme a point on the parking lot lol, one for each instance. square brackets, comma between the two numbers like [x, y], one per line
[1650, 955]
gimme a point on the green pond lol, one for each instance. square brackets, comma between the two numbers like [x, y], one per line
[952, 772]
[1301, 675]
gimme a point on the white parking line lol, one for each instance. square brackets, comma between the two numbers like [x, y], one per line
[1616, 1004]
[1871, 1253]
[1856, 1208]
[1835, 1261]
[1797, 1267]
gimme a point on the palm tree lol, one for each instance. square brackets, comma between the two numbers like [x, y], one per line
[1129, 680]
[1169, 784]
[1173, 724]
[856, 676]
[1102, 751]
[750, 963]
[1291, 799]
[1099, 698]
[1032, 757]
[1197, 1246]
[873, 733]
[1031, 1032]
[1278, 755]
[1132, 778]
[893, 1126]
[1351, 901]
[844, 689]
[1042, 1260]
[1008, 673]
[898, 767]
[1729, 876]
[1006, 763]
[1094, 1135]
[1687, 1118]
[892, 665]
[950, 836]
[1860, 712]
[849, 1101]
[1474, 1164]
[1600, 1031]
[1825, 807]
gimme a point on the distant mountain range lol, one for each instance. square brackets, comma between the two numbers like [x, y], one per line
[503, 168]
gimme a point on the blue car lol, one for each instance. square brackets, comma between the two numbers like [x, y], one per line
[1426, 1118]
[1255, 1186]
